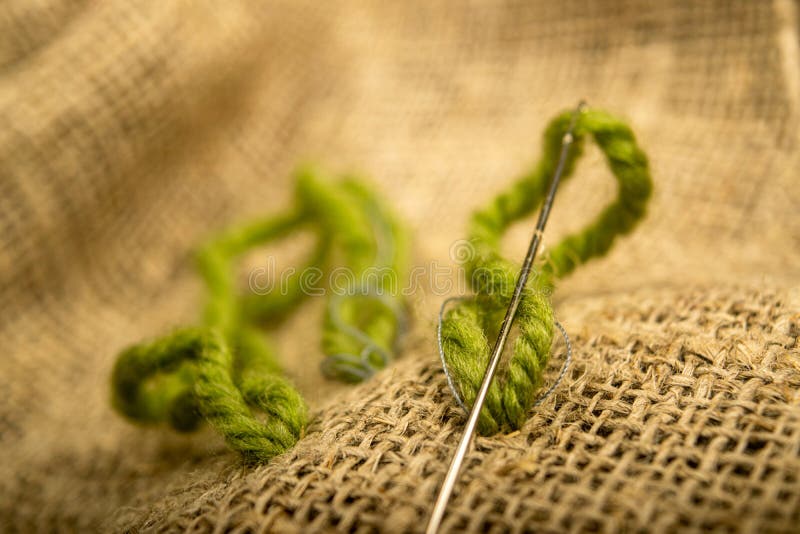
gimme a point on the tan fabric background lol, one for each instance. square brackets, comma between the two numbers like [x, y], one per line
[130, 130]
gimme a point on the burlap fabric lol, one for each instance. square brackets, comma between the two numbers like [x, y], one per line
[130, 130]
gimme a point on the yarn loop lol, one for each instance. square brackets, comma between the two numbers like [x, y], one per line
[470, 324]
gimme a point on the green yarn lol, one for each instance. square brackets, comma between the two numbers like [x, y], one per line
[225, 371]
[468, 328]
[208, 382]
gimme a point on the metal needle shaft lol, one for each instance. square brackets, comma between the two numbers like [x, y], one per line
[472, 421]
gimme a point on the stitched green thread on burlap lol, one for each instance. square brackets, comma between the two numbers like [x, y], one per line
[468, 327]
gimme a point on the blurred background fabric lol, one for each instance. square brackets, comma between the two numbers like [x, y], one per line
[130, 131]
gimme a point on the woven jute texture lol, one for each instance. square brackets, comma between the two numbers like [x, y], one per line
[129, 131]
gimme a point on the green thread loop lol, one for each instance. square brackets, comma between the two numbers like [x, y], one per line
[226, 372]
[469, 325]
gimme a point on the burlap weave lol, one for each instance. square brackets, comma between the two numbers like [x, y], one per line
[130, 130]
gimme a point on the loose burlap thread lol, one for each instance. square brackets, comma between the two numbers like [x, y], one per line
[130, 131]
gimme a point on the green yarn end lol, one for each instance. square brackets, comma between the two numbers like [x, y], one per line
[225, 371]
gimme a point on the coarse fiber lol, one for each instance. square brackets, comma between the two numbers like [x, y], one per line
[131, 131]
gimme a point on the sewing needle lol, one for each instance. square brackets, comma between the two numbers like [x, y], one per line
[472, 421]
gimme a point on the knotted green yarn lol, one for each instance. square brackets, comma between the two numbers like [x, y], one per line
[225, 371]
[468, 327]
